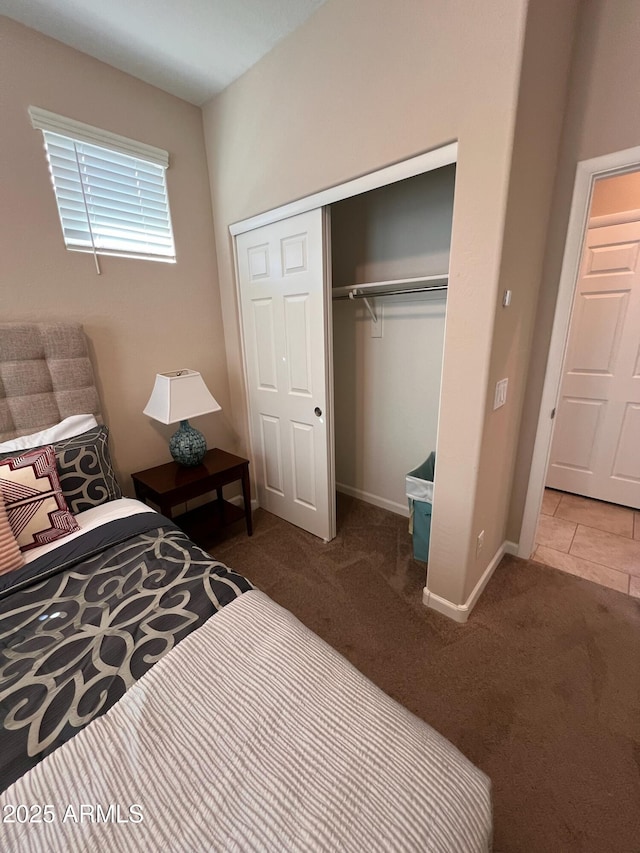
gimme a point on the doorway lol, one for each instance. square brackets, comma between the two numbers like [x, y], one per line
[583, 520]
[272, 438]
[390, 261]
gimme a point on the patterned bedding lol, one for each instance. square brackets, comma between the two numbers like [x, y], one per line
[79, 625]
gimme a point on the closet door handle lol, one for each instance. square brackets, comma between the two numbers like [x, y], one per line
[317, 412]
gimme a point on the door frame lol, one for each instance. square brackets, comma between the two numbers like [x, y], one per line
[444, 155]
[587, 172]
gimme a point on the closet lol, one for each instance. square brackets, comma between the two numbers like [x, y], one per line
[387, 349]
[342, 299]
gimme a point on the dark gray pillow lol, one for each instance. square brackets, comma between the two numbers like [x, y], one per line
[85, 470]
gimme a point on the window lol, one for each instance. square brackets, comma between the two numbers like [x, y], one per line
[111, 191]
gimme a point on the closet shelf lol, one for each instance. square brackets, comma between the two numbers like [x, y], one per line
[393, 287]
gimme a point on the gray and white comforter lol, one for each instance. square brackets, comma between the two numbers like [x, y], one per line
[80, 625]
[252, 735]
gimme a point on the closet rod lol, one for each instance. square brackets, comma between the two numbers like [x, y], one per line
[355, 293]
[374, 287]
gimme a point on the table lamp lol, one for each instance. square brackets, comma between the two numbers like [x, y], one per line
[178, 396]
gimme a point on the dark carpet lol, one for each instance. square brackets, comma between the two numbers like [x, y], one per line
[540, 688]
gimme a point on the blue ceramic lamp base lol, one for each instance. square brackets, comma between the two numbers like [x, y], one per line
[187, 445]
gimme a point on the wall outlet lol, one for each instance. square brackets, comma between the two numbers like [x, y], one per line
[500, 397]
[479, 543]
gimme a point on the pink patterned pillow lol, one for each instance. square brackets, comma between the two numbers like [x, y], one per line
[10, 554]
[36, 508]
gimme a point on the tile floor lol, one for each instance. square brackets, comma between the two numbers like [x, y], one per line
[592, 539]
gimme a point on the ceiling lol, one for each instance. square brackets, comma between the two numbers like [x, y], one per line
[191, 48]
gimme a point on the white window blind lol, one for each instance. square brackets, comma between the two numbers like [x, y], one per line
[111, 191]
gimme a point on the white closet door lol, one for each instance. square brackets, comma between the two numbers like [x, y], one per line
[596, 441]
[281, 271]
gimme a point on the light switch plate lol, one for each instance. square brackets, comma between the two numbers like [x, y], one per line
[500, 397]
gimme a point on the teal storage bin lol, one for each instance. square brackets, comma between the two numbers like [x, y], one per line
[420, 494]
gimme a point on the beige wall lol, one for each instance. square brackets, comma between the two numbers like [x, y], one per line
[402, 230]
[141, 317]
[364, 84]
[541, 102]
[602, 116]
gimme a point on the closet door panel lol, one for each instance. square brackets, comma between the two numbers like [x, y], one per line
[281, 275]
[272, 454]
[303, 462]
[264, 344]
[298, 338]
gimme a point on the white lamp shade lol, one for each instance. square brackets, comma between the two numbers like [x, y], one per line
[178, 396]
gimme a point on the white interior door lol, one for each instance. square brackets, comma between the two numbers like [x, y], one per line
[281, 273]
[596, 441]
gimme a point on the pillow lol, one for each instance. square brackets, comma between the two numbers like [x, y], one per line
[86, 473]
[37, 511]
[84, 465]
[10, 554]
[73, 425]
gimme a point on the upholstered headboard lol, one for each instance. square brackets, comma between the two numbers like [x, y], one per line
[45, 376]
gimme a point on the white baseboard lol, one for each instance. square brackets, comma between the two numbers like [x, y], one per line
[236, 500]
[367, 497]
[460, 612]
[511, 548]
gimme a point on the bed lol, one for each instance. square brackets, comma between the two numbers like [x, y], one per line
[151, 698]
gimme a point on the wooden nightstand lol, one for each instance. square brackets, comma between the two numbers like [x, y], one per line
[172, 484]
